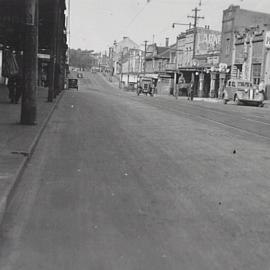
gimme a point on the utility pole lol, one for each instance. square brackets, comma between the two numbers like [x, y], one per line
[129, 55]
[121, 69]
[53, 54]
[30, 66]
[196, 18]
[144, 65]
[175, 89]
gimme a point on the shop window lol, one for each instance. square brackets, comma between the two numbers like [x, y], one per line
[256, 73]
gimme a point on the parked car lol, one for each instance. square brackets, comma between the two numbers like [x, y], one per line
[242, 92]
[79, 75]
[73, 83]
[146, 85]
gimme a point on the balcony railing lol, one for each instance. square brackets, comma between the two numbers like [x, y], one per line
[170, 66]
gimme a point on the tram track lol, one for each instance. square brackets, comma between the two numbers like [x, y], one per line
[255, 125]
[223, 123]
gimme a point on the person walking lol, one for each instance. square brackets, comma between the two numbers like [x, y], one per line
[191, 91]
[19, 86]
[262, 88]
[11, 88]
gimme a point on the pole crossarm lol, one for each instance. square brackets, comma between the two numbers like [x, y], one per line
[195, 16]
[173, 24]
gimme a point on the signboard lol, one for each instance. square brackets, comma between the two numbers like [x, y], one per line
[267, 40]
[207, 41]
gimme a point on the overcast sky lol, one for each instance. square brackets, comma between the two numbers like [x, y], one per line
[95, 24]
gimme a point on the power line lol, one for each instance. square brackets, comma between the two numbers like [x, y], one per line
[135, 17]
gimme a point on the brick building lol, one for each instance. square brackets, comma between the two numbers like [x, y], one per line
[236, 20]
[244, 47]
[197, 54]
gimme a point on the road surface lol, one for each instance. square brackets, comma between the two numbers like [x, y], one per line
[121, 182]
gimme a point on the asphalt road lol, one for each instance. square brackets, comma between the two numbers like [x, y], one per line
[121, 182]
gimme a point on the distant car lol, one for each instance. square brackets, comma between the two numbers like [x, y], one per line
[95, 69]
[73, 83]
[79, 75]
[242, 92]
[146, 85]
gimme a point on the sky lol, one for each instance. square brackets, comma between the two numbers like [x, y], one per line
[95, 24]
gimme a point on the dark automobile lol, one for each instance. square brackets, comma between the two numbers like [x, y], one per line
[242, 92]
[146, 85]
[73, 83]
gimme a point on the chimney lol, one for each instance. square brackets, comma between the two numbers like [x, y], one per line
[167, 42]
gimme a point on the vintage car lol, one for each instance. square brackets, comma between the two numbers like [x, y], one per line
[242, 92]
[73, 83]
[146, 85]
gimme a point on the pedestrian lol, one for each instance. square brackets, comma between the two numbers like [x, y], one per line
[153, 87]
[11, 88]
[19, 88]
[262, 88]
[181, 84]
[191, 91]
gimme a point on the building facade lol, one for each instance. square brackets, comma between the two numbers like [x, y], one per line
[196, 59]
[132, 66]
[119, 52]
[251, 56]
[236, 20]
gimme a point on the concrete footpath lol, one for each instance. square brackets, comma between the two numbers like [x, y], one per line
[17, 142]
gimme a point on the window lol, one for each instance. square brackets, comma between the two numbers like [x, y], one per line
[256, 73]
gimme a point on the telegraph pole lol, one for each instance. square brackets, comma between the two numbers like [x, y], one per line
[144, 66]
[196, 18]
[30, 64]
[53, 54]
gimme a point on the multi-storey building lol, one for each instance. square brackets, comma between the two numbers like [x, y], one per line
[236, 20]
[132, 66]
[196, 58]
[119, 52]
[244, 44]
[251, 56]
[156, 59]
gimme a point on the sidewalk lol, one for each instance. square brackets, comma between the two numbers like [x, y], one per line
[17, 142]
[115, 84]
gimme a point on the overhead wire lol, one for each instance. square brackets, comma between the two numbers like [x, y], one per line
[137, 14]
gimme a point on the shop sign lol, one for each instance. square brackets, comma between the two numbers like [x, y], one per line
[267, 40]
